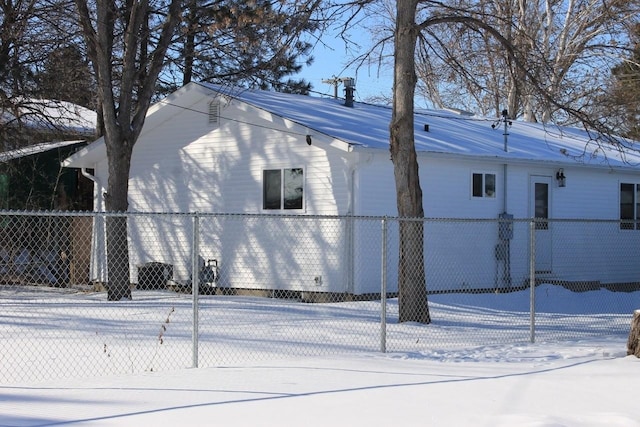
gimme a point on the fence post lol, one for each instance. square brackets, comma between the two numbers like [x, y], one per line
[383, 289]
[195, 285]
[532, 280]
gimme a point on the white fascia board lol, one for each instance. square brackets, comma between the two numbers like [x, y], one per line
[532, 162]
[87, 157]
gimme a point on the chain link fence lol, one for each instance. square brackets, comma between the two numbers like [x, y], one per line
[219, 290]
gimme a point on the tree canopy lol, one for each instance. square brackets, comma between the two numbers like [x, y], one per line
[624, 102]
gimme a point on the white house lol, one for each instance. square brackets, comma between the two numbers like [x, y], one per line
[214, 149]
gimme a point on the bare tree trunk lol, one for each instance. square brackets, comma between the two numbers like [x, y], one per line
[411, 276]
[118, 286]
[633, 344]
[189, 43]
[119, 159]
[124, 103]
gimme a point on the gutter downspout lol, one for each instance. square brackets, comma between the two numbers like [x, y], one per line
[505, 119]
[96, 182]
[505, 168]
[351, 232]
[505, 227]
[97, 267]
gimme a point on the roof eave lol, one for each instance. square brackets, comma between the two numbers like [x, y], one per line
[532, 161]
[87, 157]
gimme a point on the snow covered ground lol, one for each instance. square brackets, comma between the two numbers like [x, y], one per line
[585, 380]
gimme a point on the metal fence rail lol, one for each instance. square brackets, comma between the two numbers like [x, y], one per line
[272, 286]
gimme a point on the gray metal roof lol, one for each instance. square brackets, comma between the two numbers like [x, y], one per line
[449, 132]
[36, 149]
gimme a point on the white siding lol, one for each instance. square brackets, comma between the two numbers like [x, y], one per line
[454, 260]
[463, 254]
[187, 165]
[184, 164]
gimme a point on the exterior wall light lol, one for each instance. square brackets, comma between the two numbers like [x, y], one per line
[562, 180]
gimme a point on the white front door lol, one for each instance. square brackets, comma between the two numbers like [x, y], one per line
[540, 209]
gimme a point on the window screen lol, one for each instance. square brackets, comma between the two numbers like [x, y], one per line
[483, 185]
[271, 189]
[283, 188]
[629, 206]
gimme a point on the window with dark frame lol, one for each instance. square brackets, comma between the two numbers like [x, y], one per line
[629, 206]
[483, 185]
[282, 189]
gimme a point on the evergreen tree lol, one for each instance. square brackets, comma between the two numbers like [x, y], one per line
[67, 77]
[250, 44]
[33, 66]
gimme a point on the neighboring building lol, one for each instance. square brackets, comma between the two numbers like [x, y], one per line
[35, 137]
[215, 149]
[31, 179]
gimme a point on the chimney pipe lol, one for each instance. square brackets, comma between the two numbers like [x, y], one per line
[349, 89]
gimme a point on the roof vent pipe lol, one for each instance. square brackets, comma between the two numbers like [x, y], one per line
[507, 122]
[349, 89]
